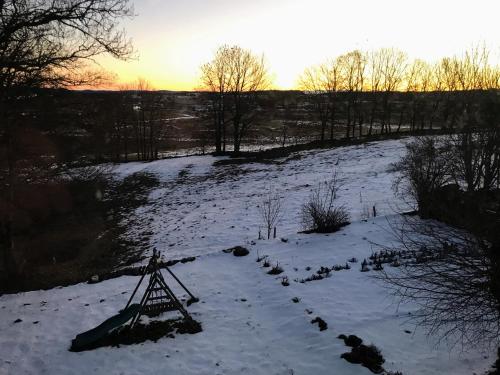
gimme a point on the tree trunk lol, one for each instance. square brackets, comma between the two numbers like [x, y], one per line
[348, 127]
[217, 108]
[372, 117]
[401, 115]
[361, 121]
[323, 129]
[223, 135]
[124, 142]
[137, 140]
[7, 242]
[332, 123]
[236, 135]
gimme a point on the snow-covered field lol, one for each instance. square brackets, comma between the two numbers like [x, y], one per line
[213, 207]
[250, 323]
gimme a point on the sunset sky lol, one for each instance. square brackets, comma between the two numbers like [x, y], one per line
[173, 38]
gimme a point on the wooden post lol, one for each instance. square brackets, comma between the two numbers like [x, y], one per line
[137, 286]
[180, 283]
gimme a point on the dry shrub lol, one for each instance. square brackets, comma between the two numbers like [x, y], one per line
[320, 214]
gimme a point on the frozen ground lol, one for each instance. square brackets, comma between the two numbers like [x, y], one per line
[250, 323]
[201, 207]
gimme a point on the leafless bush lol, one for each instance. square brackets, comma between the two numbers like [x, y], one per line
[320, 213]
[475, 158]
[271, 210]
[454, 280]
[470, 160]
[422, 170]
[454, 274]
[275, 270]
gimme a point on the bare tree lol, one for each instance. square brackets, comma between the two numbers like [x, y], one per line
[452, 274]
[325, 82]
[148, 119]
[314, 82]
[215, 77]
[418, 80]
[447, 76]
[375, 82]
[423, 170]
[352, 68]
[475, 158]
[461, 78]
[452, 277]
[46, 44]
[271, 210]
[235, 74]
[437, 86]
[290, 119]
[393, 66]
[473, 70]
[332, 76]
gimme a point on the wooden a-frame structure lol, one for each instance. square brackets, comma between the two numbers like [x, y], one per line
[158, 296]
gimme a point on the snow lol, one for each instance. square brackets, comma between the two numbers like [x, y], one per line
[250, 324]
[216, 205]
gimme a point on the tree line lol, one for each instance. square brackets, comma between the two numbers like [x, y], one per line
[357, 91]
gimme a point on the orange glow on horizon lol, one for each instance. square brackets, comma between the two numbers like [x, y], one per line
[173, 39]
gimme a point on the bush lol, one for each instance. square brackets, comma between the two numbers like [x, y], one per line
[453, 278]
[276, 270]
[455, 281]
[435, 168]
[424, 169]
[271, 211]
[320, 214]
